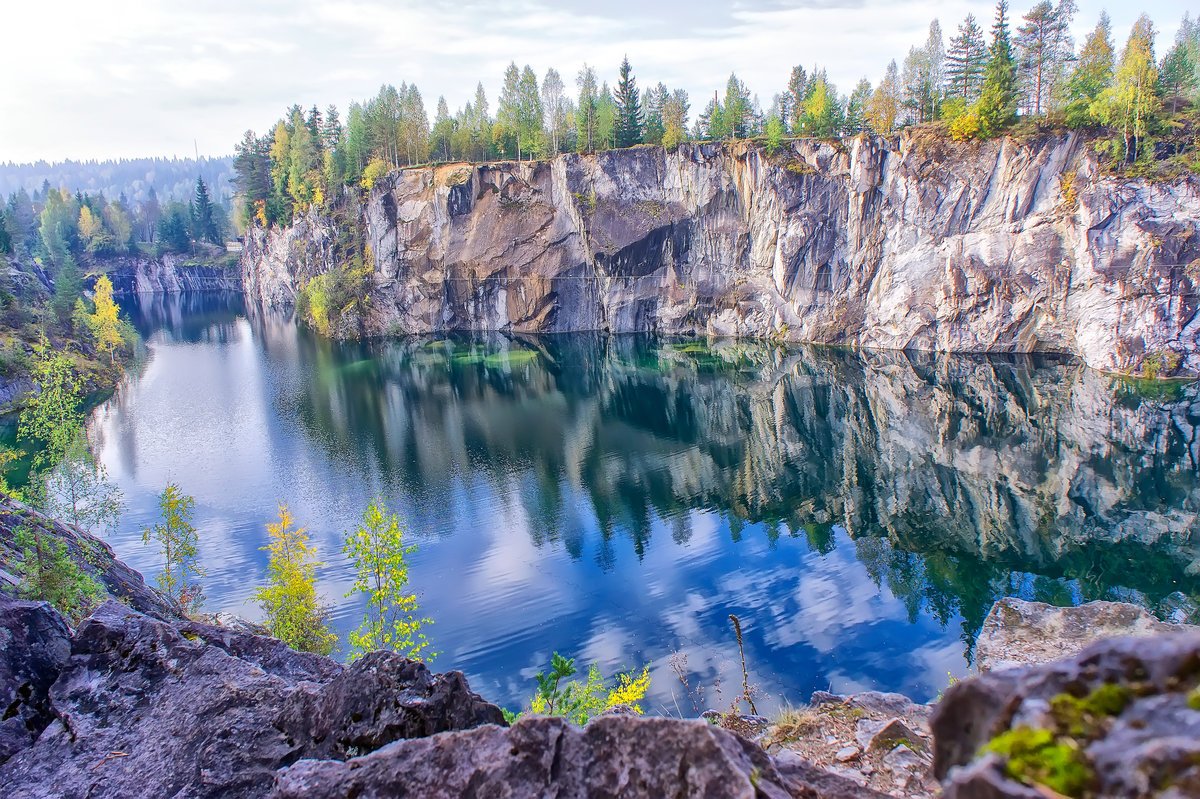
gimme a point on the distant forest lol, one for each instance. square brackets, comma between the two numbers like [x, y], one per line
[173, 179]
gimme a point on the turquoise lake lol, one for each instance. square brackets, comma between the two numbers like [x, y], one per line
[616, 498]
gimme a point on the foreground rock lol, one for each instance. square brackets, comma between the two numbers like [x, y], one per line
[613, 756]
[143, 708]
[1017, 632]
[910, 243]
[34, 646]
[1122, 718]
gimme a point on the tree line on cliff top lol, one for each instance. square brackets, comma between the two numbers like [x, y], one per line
[976, 85]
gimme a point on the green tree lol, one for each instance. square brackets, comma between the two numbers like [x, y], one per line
[529, 113]
[68, 287]
[294, 614]
[629, 108]
[586, 113]
[1044, 45]
[443, 131]
[1092, 74]
[173, 233]
[378, 552]
[856, 108]
[1132, 102]
[791, 102]
[923, 76]
[822, 111]
[50, 574]
[1179, 74]
[78, 491]
[966, 61]
[508, 112]
[675, 114]
[774, 133]
[176, 539]
[997, 107]
[204, 226]
[105, 323]
[51, 418]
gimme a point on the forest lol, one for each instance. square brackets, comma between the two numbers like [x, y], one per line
[1022, 77]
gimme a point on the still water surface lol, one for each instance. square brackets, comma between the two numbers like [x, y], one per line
[616, 498]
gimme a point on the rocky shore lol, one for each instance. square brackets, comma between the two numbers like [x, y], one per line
[138, 701]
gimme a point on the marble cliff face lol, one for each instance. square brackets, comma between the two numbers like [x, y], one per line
[917, 243]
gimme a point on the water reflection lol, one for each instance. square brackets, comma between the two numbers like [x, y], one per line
[617, 497]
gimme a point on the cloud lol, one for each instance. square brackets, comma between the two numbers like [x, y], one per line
[142, 77]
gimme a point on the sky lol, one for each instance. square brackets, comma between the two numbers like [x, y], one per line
[127, 78]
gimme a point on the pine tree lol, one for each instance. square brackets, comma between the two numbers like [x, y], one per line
[1044, 45]
[997, 106]
[629, 108]
[204, 228]
[966, 61]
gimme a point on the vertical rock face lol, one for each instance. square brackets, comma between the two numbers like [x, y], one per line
[922, 243]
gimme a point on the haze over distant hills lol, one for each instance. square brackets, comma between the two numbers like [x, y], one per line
[171, 178]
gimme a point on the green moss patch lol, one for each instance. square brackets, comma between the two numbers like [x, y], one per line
[1038, 757]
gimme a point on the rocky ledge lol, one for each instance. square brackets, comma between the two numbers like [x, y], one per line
[130, 705]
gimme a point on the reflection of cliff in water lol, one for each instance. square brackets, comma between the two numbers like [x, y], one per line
[959, 479]
[186, 316]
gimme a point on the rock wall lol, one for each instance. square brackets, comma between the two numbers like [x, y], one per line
[916, 243]
[170, 275]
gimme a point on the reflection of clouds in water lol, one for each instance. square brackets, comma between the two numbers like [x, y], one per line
[506, 480]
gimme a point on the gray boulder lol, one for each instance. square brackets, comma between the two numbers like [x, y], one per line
[1019, 633]
[35, 643]
[613, 756]
[1123, 712]
[143, 708]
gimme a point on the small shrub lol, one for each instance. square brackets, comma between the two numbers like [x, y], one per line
[176, 537]
[581, 701]
[966, 126]
[50, 574]
[378, 552]
[294, 613]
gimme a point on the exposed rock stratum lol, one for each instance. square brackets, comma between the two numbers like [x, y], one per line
[910, 243]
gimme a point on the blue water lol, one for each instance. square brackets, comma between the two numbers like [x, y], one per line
[615, 499]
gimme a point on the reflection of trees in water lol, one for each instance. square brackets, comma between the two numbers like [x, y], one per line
[960, 479]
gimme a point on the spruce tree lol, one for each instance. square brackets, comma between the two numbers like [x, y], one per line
[998, 101]
[203, 225]
[965, 61]
[629, 109]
